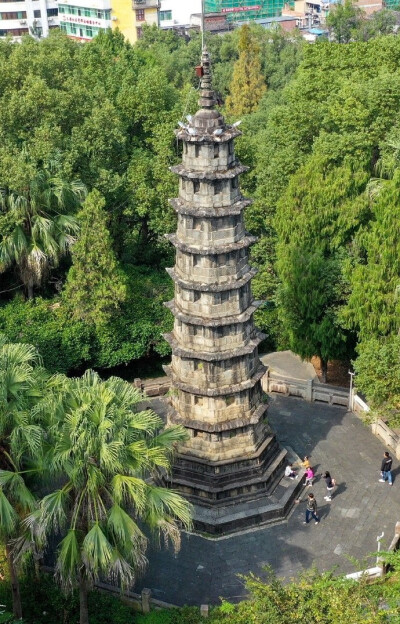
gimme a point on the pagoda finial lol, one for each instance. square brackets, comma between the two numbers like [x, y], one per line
[207, 95]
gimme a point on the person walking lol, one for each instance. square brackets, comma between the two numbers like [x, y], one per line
[311, 510]
[386, 469]
[309, 477]
[330, 484]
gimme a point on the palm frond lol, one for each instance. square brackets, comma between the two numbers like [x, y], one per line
[130, 490]
[8, 517]
[69, 560]
[96, 552]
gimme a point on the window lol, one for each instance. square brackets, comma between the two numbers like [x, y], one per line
[229, 400]
[86, 12]
[80, 12]
[140, 16]
[52, 12]
[13, 15]
[81, 32]
[235, 183]
[165, 15]
[231, 147]
[63, 27]
[37, 14]
[89, 31]
[139, 32]
[196, 150]
[216, 150]
[61, 9]
[196, 186]
[196, 296]
[99, 14]
[199, 400]
[218, 186]
[73, 29]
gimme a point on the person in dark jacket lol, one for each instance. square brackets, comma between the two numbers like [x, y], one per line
[386, 469]
[330, 484]
[311, 509]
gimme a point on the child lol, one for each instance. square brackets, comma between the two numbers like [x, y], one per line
[309, 476]
[330, 484]
[306, 462]
[289, 472]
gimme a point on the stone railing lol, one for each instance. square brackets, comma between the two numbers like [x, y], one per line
[309, 390]
[380, 570]
[153, 387]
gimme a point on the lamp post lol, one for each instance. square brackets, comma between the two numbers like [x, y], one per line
[351, 391]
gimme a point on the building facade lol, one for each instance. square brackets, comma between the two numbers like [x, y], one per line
[175, 13]
[83, 19]
[129, 16]
[34, 17]
[240, 10]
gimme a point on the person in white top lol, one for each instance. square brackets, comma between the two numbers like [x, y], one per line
[289, 472]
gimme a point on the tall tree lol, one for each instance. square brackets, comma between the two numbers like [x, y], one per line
[21, 387]
[344, 20]
[104, 451]
[248, 84]
[95, 285]
[39, 225]
[308, 296]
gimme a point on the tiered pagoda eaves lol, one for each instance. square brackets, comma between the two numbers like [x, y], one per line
[231, 463]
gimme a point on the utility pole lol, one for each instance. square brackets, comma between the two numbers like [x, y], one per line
[351, 391]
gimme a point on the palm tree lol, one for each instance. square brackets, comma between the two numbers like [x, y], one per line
[16, 502]
[22, 381]
[104, 453]
[43, 227]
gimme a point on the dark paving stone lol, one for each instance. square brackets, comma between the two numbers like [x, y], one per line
[204, 571]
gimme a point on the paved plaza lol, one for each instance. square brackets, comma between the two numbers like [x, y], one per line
[207, 569]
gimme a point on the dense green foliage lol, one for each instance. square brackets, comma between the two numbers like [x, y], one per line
[102, 116]
[78, 465]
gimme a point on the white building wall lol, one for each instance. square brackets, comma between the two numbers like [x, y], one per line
[181, 11]
[44, 22]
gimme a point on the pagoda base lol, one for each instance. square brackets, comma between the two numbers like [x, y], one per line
[228, 497]
[227, 519]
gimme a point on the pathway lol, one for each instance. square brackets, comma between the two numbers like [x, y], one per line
[205, 570]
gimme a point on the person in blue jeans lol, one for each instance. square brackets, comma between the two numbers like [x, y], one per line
[386, 469]
[311, 510]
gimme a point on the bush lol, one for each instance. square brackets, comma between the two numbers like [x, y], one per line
[69, 345]
[43, 602]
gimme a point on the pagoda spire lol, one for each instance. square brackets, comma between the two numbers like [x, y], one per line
[207, 98]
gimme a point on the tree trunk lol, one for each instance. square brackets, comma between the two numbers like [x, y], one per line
[30, 290]
[83, 601]
[16, 596]
[324, 370]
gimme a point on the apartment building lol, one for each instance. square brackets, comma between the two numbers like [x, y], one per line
[129, 16]
[22, 17]
[83, 19]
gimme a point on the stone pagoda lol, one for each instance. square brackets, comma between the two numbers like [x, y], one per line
[231, 463]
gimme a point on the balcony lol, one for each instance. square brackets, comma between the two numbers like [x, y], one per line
[145, 4]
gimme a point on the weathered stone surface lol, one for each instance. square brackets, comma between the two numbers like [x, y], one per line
[231, 455]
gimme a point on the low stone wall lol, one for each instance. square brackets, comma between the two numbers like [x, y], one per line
[379, 428]
[153, 387]
[309, 390]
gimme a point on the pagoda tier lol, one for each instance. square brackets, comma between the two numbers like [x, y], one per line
[230, 454]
